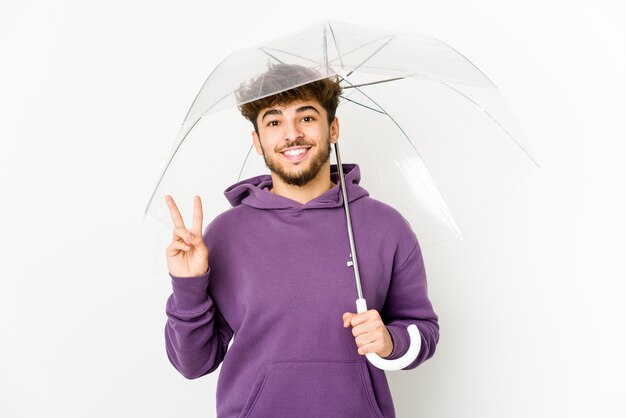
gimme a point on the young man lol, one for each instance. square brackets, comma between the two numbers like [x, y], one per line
[273, 271]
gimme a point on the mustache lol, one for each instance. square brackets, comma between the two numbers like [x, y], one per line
[296, 143]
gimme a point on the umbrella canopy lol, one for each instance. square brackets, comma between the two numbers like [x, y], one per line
[433, 135]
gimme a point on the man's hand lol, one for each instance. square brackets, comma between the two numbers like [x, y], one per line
[187, 255]
[370, 333]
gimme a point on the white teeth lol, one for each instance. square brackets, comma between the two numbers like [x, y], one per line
[295, 152]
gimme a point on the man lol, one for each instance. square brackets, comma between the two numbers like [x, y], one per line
[273, 271]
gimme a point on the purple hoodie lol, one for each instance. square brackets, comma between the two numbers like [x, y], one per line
[279, 282]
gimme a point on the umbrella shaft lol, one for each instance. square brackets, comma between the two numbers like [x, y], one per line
[344, 194]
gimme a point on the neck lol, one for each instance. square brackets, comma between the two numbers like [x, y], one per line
[303, 194]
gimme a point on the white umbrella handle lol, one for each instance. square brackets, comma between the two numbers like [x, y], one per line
[406, 359]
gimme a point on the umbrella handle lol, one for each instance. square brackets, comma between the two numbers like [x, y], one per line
[406, 359]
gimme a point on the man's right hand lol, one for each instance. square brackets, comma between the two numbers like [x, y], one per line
[187, 255]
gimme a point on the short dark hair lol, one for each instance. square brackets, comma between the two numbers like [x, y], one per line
[325, 90]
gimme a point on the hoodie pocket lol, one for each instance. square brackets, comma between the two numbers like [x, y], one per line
[312, 389]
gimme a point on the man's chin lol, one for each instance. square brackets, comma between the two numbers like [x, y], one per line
[295, 180]
[298, 177]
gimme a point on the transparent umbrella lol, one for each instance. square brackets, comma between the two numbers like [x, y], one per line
[434, 137]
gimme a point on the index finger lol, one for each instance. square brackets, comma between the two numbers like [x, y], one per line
[176, 216]
[359, 318]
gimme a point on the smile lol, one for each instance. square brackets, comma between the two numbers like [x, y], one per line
[295, 154]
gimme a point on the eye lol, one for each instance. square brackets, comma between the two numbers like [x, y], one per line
[308, 118]
[272, 123]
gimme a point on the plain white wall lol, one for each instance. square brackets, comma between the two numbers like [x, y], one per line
[91, 97]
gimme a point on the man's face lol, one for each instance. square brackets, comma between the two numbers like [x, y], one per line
[295, 139]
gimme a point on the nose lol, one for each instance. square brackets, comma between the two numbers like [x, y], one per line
[292, 131]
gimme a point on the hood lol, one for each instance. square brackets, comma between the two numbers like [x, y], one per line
[255, 192]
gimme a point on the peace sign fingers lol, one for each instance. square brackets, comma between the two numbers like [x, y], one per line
[187, 255]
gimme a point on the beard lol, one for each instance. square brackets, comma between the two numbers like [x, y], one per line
[300, 176]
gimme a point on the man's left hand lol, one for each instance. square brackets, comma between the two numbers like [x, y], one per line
[370, 333]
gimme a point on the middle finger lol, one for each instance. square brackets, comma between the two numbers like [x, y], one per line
[364, 328]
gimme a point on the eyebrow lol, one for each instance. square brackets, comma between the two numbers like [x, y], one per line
[298, 110]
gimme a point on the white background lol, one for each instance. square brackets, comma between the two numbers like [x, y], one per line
[91, 96]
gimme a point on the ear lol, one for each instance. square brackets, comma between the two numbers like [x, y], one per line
[334, 130]
[257, 143]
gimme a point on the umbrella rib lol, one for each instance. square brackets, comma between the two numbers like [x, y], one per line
[325, 52]
[200, 91]
[391, 38]
[168, 164]
[264, 50]
[356, 86]
[245, 161]
[481, 108]
[339, 57]
[288, 53]
[352, 86]
[360, 47]
[332, 33]
[470, 62]
[180, 143]
[365, 106]
[410, 143]
[493, 119]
